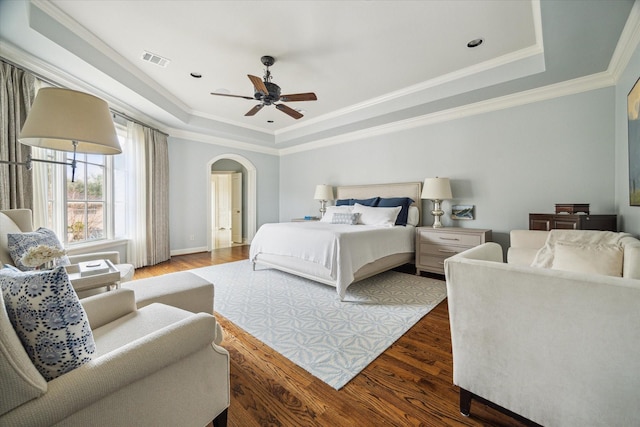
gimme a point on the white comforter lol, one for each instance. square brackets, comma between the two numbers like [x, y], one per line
[341, 249]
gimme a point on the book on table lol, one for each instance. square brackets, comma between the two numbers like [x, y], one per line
[91, 268]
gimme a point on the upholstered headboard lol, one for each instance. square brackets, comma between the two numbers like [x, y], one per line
[402, 189]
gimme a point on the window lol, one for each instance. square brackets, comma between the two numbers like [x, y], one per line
[86, 209]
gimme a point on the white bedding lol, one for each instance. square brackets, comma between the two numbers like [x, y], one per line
[341, 249]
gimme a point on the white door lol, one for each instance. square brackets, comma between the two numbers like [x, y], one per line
[236, 208]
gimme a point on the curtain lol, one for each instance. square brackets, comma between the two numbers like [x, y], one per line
[148, 198]
[157, 171]
[136, 196]
[16, 96]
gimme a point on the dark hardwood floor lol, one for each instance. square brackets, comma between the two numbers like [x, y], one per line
[410, 384]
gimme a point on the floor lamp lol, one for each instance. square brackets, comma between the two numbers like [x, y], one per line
[68, 120]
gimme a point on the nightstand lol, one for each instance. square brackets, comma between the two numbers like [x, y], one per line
[313, 218]
[434, 245]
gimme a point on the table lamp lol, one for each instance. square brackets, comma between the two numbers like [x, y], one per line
[323, 193]
[436, 189]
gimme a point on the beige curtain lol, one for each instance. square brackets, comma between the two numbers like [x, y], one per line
[157, 209]
[16, 96]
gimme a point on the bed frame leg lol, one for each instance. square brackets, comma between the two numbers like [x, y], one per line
[253, 266]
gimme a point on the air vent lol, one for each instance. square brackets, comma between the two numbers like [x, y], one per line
[155, 59]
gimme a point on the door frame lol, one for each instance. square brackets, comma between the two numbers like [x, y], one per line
[251, 195]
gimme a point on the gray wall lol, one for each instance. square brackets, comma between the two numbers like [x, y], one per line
[507, 163]
[189, 174]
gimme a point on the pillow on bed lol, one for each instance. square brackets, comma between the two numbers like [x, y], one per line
[403, 202]
[345, 218]
[328, 215]
[385, 217]
[365, 202]
[413, 218]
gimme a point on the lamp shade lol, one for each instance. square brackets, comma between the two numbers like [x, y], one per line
[436, 189]
[58, 117]
[323, 192]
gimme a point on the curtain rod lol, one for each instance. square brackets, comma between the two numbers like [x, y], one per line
[56, 84]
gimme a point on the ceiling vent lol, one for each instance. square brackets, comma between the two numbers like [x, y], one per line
[155, 59]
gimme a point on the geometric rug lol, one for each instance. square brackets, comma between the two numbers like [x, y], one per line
[306, 322]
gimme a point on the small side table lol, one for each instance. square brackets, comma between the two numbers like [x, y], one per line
[434, 245]
[315, 218]
[80, 283]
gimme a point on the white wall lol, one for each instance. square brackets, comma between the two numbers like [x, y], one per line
[507, 163]
[630, 214]
[188, 179]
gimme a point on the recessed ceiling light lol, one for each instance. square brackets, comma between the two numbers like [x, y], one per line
[269, 121]
[196, 75]
[475, 43]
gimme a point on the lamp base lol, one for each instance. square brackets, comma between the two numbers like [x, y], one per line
[323, 207]
[437, 212]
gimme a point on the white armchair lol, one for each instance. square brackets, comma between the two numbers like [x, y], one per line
[154, 366]
[20, 221]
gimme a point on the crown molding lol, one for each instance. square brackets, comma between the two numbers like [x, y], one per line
[571, 87]
[214, 140]
[627, 44]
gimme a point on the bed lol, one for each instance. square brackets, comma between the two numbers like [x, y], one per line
[337, 254]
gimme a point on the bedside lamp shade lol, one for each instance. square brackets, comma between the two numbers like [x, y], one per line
[436, 189]
[323, 193]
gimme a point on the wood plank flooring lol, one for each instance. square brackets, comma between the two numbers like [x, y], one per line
[410, 384]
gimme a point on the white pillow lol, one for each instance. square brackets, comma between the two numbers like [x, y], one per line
[328, 215]
[414, 216]
[594, 259]
[385, 217]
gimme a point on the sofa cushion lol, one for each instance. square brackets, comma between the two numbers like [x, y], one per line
[20, 243]
[7, 225]
[595, 259]
[48, 318]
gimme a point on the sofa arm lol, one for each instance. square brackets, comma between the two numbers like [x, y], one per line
[109, 306]
[489, 251]
[113, 256]
[118, 369]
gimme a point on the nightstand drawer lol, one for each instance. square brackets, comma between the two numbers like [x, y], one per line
[433, 264]
[445, 238]
[441, 250]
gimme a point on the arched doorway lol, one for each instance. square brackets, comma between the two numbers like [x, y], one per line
[250, 206]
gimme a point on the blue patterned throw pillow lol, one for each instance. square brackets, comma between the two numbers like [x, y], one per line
[345, 218]
[20, 243]
[48, 318]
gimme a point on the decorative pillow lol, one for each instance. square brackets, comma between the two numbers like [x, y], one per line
[49, 319]
[385, 217]
[20, 243]
[595, 259]
[331, 210]
[403, 202]
[365, 202]
[345, 218]
[414, 216]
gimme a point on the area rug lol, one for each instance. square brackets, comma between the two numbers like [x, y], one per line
[306, 322]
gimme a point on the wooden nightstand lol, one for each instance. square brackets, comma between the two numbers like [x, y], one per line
[434, 245]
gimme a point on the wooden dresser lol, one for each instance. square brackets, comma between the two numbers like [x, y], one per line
[546, 222]
[434, 245]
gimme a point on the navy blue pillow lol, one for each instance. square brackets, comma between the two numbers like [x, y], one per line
[391, 202]
[372, 202]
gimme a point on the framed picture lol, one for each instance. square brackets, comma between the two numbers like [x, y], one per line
[462, 211]
[633, 107]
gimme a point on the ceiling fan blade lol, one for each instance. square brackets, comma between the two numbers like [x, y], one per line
[254, 110]
[288, 110]
[309, 96]
[258, 84]
[233, 96]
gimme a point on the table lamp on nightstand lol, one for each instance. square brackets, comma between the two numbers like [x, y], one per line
[436, 189]
[323, 193]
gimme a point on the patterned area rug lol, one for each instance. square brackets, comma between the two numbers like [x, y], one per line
[306, 322]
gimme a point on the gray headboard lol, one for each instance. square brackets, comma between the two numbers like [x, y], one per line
[402, 189]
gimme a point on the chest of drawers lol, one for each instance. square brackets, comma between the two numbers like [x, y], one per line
[434, 245]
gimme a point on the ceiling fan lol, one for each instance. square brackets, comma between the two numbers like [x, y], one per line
[268, 93]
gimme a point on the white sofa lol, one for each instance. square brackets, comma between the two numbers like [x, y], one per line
[559, 348]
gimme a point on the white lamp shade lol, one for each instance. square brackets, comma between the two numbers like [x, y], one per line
[60, 116]
[436, 189]
[323, 192]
